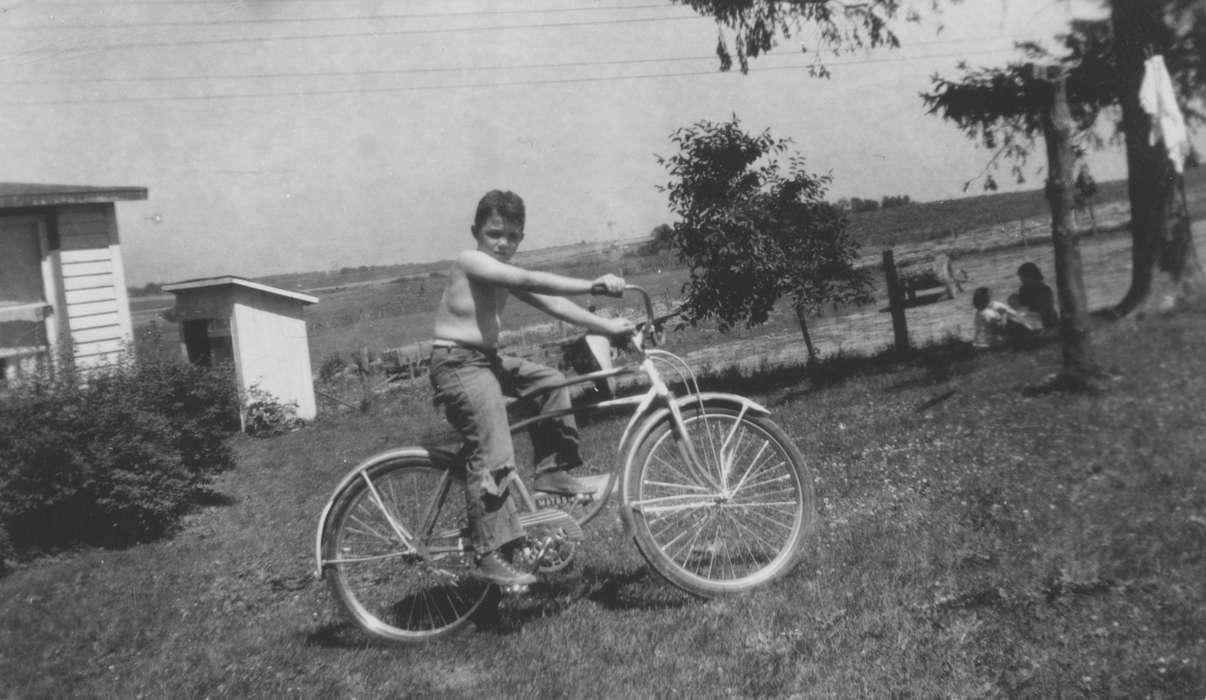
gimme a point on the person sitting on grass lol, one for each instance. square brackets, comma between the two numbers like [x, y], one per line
[1035, 297]
[471, 378]
[997, 324]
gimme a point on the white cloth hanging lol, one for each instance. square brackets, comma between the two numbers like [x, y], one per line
[1157, 98]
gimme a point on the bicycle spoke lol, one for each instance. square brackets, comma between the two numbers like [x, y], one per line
[690, 546]
[673, 485]
[752, 534]
[767, 517]
[368, 530]
[367, 558]
[770, 479]
[685, 477]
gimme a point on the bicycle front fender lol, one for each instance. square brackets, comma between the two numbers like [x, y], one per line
[645, 421]
[438, 458]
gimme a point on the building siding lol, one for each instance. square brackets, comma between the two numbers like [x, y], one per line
[97, 311]
[270, 336]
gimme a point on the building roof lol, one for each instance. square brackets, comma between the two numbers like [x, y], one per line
[231, 280]
[23, 194]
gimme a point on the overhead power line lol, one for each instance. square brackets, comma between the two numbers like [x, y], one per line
[343, 18]
[358, 73]
[469, 86]
[445, 69]
[209, 3]
[355, 35]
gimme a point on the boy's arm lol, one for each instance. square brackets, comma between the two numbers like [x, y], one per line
[480, 267]
[566, 310]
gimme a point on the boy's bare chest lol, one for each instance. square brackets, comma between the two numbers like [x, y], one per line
[488, 298]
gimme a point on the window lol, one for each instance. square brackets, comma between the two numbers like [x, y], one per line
[24, 310]
[21, 263]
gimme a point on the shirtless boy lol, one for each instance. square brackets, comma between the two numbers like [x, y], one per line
[471, 378]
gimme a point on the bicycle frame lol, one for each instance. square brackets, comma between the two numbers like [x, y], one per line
[655, 405]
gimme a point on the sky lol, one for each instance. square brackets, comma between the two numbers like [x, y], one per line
[298, 135]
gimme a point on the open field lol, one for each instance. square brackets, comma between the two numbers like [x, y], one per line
[390, 306]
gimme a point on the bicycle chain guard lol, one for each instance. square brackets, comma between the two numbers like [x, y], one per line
[553, 538]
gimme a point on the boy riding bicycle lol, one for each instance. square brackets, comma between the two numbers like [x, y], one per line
[471, 378]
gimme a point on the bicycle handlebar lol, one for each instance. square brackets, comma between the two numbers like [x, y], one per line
[649, 328]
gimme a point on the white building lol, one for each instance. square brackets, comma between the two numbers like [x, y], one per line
[62, 284]
[258, 327]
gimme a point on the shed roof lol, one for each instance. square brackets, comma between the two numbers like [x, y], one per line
[23, 194]
[231, 280]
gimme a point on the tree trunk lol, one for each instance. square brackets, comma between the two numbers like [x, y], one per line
[812, 351]
[1161, 238]
[1069, 272]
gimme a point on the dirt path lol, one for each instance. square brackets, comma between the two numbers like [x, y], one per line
[1107, 265]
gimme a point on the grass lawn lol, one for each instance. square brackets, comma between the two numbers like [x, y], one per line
[973, 543]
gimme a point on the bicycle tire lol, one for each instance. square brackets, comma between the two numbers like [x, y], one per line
[392, 593]
[702, 539]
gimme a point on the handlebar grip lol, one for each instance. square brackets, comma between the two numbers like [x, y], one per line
[600, 290]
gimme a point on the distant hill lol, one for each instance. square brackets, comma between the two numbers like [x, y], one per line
[555, 256]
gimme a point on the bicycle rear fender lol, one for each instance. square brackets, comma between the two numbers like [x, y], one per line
[643, 423]
[438, 458]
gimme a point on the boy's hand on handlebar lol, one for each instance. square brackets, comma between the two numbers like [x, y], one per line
[619, 326]
[609, 285]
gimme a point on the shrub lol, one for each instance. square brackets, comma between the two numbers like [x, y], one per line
[113, 457]
[264, 415]
[331, 367]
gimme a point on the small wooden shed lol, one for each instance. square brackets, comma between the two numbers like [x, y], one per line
[62, 284]
[261, 329]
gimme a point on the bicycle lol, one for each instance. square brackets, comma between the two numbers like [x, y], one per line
[715, 496]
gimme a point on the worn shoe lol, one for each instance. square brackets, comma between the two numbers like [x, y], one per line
[495, 568]
[560, 483]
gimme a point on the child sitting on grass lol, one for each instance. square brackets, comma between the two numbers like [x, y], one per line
[996, 323]
[471, 378]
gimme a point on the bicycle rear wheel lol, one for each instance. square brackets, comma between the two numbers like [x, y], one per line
[740, 526]
[382, 580]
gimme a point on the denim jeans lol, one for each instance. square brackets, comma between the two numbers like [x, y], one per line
[471, 385]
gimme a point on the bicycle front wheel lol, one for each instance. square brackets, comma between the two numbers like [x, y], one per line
[396, 552]
[739, 520]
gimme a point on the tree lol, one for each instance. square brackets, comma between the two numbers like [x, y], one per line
[1104, 74]
[859, 205]
[661, 238]
[838, 24]
[754, 227]
[1079, 365]
[1161, 239]
[1004, 107]
[1008, 108]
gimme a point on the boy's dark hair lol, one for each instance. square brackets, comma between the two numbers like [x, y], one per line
[980, 297]
[507, 205]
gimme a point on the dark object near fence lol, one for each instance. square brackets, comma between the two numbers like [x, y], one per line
[906, 277]
[930, 272]
[408, 361]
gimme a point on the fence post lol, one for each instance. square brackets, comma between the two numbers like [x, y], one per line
[896, 302]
